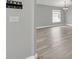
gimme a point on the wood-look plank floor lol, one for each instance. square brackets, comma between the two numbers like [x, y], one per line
[55, 43]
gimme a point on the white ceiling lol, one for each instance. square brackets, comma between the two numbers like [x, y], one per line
[58, 3]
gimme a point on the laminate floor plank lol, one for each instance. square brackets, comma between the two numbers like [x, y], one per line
[54, 43]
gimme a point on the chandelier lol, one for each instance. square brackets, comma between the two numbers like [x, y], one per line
[65, 5]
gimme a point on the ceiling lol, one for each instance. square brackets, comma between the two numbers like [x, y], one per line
[58, 3]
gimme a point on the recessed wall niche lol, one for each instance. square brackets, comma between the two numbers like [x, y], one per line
[14, 4]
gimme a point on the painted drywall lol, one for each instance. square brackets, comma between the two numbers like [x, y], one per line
[20, 40]
[43, 15]
[57, 3]
[68, 16]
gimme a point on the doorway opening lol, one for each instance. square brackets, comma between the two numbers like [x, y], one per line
[53, 36]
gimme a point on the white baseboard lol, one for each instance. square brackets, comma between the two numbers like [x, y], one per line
[44, 27]
[36, 55]
[69, 24]
[49, 26]
[32, 57]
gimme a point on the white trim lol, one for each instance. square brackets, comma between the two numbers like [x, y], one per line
[32, 57]
[49, 26]
[44, 27]
[69, 24]
[36, 55]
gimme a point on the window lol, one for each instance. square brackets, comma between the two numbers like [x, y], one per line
[56, 16]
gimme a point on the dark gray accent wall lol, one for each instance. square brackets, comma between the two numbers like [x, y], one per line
[43, 15]
[20, 40]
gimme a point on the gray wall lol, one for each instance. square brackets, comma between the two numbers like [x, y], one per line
[43, 15]
[68, 16]
[20, 40]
